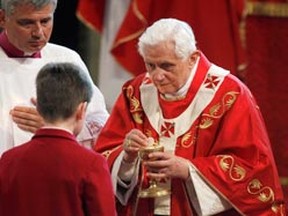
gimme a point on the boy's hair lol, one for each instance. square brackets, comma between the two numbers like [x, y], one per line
[60, 88]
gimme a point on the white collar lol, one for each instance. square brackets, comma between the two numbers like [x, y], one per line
[57, 128]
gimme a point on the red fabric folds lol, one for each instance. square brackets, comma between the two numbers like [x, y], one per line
[216, 26]
[267, 74]
[91, 12]
[215, 23]
[267, 79]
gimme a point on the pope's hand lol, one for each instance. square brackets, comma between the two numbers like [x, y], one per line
[167, 165]
[134, 140]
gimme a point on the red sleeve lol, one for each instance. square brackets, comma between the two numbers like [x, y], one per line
[121, 121]
[239, 160]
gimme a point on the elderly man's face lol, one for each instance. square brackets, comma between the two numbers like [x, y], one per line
[167, 71]
[29, 29]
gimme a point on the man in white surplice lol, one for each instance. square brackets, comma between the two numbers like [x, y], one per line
[24, 49]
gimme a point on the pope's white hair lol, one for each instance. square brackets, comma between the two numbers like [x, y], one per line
[169, 29]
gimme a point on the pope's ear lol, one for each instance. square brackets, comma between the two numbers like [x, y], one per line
[193, 57]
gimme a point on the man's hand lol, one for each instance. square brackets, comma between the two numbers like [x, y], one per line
[133, 141]
[27, 118]
[167, 165]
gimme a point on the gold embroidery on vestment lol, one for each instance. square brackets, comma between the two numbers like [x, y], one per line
[255, 187]
[107, 153]
[264, 193]
[236, 172]
[148, 133]
[278, 208]
[187, 140]
[135, 107]
[218, 110]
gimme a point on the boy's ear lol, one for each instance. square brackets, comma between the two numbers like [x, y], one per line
[81, 110]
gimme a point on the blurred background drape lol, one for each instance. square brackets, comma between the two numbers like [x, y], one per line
[267, 73]
[247, 37]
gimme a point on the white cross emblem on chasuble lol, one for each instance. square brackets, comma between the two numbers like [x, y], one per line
[211, 82]
[167, 129]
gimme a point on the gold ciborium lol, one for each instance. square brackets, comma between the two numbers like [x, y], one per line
[154, 190]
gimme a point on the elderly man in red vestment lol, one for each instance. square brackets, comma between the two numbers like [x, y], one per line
[217, 157]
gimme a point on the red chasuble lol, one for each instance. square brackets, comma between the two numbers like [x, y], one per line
[225, 139]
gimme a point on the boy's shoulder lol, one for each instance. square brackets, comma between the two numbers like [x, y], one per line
[12, 154]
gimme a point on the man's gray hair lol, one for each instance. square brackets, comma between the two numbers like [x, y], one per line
[9, 5]
[169, 29]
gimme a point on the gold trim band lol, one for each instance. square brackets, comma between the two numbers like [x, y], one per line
[267, 9]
